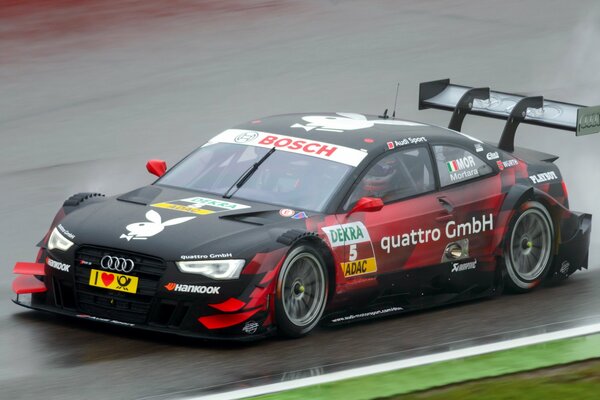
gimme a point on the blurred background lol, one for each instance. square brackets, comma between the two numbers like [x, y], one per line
[92, 89]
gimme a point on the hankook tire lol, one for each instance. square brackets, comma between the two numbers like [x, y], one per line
[529, 247]
[301, 292]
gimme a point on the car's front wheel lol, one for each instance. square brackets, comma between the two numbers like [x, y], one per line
[528, 251]
[301, 292]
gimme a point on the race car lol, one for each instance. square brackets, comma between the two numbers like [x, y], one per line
[287, 221]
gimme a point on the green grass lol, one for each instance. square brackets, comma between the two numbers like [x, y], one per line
[440, 374]
[576, 381]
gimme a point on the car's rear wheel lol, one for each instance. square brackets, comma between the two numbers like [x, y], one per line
[528, 251]
[301, 292]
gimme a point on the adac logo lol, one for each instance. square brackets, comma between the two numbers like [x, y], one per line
[359, 267]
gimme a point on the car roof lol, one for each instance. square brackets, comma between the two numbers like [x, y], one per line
[358, 131]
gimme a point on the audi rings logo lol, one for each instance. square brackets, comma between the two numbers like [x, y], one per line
[119, 264]
[246, 137]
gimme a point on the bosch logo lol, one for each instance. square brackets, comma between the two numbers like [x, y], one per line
[246, 137]
[118, 264]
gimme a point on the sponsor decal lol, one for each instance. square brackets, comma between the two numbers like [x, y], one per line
[359, 267]
[313, 148]
[346, 234]
[543, 177]
[153, 226]
[493, 155]
[246, 137]
[201, 289]
[461, 175]
[110, 280]
[345, 122]
[406, 141]
[564, 267]
[65, 232]
[300, 215]
[286, 212]
[200, 205]
[464, 266]
[112, 321]
[461, 164]
[588, 120]
[452, 230]
[250, 327]
[367, 314]
[478, 148]
[57, 265]
[507, 164]
[207, 256]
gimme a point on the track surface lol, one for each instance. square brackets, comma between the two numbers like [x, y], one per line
[90, 91]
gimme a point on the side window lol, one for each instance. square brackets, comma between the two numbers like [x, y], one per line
[456, 165]
[396, 176]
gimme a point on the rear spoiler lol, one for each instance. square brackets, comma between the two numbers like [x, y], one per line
[513, 108]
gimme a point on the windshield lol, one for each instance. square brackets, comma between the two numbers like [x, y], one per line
[284, 178]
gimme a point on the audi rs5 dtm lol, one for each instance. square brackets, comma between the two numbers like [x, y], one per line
[283, 222]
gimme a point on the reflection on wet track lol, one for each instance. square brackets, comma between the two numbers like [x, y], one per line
[91, 91]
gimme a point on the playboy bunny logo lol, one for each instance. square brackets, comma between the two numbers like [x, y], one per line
[154, 226]
[346, 122]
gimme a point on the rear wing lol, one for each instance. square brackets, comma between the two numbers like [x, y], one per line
[513, 108]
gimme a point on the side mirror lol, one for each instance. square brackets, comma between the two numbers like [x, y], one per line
[156, 167]
[366, 204]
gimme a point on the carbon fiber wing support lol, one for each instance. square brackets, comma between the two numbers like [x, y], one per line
[512, 108]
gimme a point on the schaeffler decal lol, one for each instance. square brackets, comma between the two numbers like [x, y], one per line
[65, 232]
[153, 226]
[201, 289]
[250, 327]
[404, 142]
[345, 122]
[463, 266]
[57, 265]
[313, 148]
[478, 148]
[452, 230]
[200, 205]
[346, 234]
[543, 177]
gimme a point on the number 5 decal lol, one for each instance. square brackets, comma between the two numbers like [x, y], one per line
[353, 252]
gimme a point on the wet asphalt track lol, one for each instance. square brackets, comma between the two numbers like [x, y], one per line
[90, 92]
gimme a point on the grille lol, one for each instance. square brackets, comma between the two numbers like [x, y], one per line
[105, 303]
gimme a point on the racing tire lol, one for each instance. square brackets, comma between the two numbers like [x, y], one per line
[301, 293]
[528, 251]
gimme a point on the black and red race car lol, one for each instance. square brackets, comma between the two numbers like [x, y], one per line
[289, 220]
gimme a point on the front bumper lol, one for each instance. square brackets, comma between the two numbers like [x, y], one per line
[239, 310]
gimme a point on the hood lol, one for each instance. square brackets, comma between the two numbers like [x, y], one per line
[176, 224]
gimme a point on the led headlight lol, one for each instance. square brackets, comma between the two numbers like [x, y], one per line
[216, 269]
[58, 241]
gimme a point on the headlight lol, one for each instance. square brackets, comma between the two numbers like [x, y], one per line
[58, 241]
[222, 269]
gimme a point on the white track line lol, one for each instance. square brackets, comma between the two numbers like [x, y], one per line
[402, 364]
